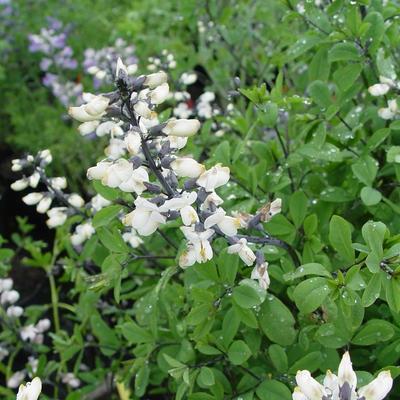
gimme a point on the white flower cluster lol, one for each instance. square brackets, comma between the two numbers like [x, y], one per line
[342, 386]
[165, 61]
[8, 298]
[166, 186]
[381, 89]
[33, 333]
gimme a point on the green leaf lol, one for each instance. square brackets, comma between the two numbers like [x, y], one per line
[310, 294]
[374, 331]
[393, 154]
[112, 240]
[206, 377]
[238, 352]
[365, 170]
[273, 390]
[134, 333]
[105, 191]
[310, 361]
[393, 293]
[340, 238]
[106, 215]
[276, 321]
[320, 93]
[374, 234]
[307, 269]
[222, 153]
[378, 138]
[142, 380]
[230, 326]
[248, 294]
[109, 342]
[370, 196]
[346, 76]
[372, 291]
[319, 68]
[344, 52]
[278, 357]
[298, 204]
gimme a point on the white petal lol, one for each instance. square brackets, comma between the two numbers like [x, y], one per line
[378, 388]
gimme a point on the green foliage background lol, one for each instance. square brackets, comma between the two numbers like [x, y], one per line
[304, 128]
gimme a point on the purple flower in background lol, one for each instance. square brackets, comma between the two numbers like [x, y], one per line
[51, 42]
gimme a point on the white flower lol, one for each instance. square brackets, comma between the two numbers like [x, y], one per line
[188, 257]
[6, 284]
[98, 202]
[15, 311]
[57, 216]
[145, 218]
[133, 142]
[213, 199]
[183, 205]
[244, 251]
[132, 238]
[3, 353]
[28, 333]
[82, 233]
[214, 177]
[59, 182]
[45, 156]
[20, 184]
[271, 209]
[187, 167]
[389, 112]
[75, 200]
[120, 67]
[31, 391]
[346, 381]
[177, 142]
[200, 248]
[71, 380]
[88, 127]
[9, 296]
[115, 149]
[182, 110]
[378, 388]
[181, 127]
[32, 198]
[143, 109]
[43, 325]
[99, 171]
[135, 183]
[379, 89]
[91, 111]
[228, 225]
[14, 381]
[188, 78]
[34, 179]
[159, 94]
[17, 165]
[156, 79]
[109, 128]
[118, 172]
[44, 204]
[309, 386]
[260, 273]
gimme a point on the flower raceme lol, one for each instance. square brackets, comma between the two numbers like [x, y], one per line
[142, 159]
[341, 387]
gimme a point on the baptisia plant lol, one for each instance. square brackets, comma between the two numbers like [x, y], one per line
[142, 159]
[342, 386]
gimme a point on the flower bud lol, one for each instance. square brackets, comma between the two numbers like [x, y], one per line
[75, 200]
[32, 198]
[156, 79]
[44, 204]
[379, 89]
[187, 167]
[15, 311]
[20, 184]
[88, 127]
[97, 106]
[181, 127]
[99, 171]
[160, 94]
